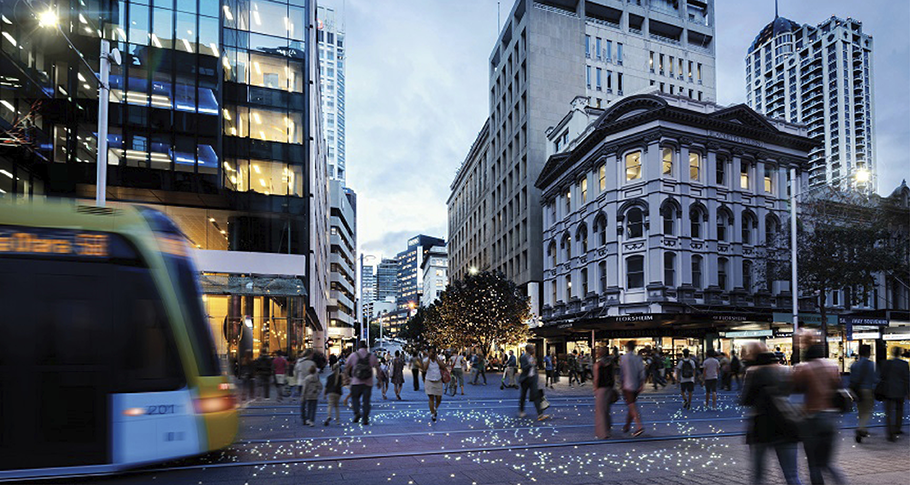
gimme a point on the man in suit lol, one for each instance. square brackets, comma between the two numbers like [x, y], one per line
[895, 388]
[528, 381]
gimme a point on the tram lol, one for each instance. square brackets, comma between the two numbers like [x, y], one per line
[106, 359]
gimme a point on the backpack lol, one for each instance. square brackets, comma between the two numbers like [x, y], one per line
[688, 370]
[362, 369]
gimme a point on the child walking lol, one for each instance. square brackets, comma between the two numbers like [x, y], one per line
[312, 387]
[333, 388]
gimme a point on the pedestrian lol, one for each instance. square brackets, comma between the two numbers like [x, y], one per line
[685, 375]
[549, 367]
[302, 368]
[334, 385]
[312, 387]
[895, 388]
[573, 368]
[862, 383]
[458, 365]
[765, 392]
[280, 369]
[632, 377]
[264, 372]
[656, 368]
[480, 367]
[398, 374]
[360, 369]
[668, 369]
[604, 392]
[415, 372]
[586, 370]
[736, 369]
[710, 368]
[433, 366]
[382, 377]
[511, 365]
[528, 380]
[818, 378]
[248, 376]
[725, 377]
[780, 355]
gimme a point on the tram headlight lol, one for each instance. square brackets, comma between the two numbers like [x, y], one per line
[214, 404]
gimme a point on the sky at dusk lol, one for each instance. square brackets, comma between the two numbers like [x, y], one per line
[416, 84]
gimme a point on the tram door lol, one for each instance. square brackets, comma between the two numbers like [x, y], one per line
[55, 323]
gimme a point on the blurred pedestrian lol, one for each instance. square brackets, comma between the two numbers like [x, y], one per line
[382, 377]
[433, 366]
[280, 369]
[248, 376]
[604, 392]
[397, 374]
[710, 368]
[736, 369]
[725, 377]
[511, 366]
[528, 380]
[480, 367]
[312, 387]
[586, 370]
[818, 378]
[574, 368]
[415, 371]
[458, 365]
[685, 375]
[765, 392]
[334, 385]
[549, 366]
[302, 368]
[656, 368]
[862, 383]
[264, 372]
[895, 388]
[360, 369]
[632, 378]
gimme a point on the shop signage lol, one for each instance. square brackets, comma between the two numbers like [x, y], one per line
[747, 334]
[805, 318]
[896, 336]
[783, 334]
[866, 336]
[878, 322]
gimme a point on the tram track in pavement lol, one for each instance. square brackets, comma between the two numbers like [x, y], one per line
[460, 451]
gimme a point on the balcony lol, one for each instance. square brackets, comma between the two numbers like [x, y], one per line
[661, 38]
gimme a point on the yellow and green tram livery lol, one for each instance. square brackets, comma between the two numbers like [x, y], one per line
[106, 358]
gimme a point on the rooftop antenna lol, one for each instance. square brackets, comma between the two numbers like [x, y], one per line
[499, 19]
[775, 9]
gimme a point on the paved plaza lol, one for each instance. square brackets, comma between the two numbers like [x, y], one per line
[479, 439]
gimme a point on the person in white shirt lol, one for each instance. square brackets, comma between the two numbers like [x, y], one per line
[632, 374]
[433, 366]
[710, 368]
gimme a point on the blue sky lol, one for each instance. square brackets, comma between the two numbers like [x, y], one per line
[416, 85]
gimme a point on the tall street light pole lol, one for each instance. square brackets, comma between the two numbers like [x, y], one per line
[794, 186]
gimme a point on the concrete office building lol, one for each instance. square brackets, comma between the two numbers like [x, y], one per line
[410, 278]
[387, 280]
[214, 120]
[330, 34]
[367, 284]
[819, 75]
[549, 52]
[435, 274]
[342, 264]
[657, 213]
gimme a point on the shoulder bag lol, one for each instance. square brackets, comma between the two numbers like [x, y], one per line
[446, 376]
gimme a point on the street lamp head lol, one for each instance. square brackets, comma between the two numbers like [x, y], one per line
[473, 270]
[48, 18]
[863, 175]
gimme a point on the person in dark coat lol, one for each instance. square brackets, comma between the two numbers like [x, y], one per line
[895, 388]
[767, 382]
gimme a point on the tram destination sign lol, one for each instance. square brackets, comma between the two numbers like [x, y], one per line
[34, 241]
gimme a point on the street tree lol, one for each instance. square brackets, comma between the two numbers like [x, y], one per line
[482, 310]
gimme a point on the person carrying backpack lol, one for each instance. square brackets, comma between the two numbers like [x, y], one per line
[736, 368]
[685, 375]
[360, 368]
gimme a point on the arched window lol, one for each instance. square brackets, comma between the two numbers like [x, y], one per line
[694, 166]
[634, 223]
[633, 165]
[696, 272]
[551, 251]
[635, 272]
[667, 161]
[668, 215]
[584, 282]
[582, 237]
[695, 221]
[567, 247]
[772, 229]
[722, 264]
[747, 276]
[602, 275]
[670, 269]
[600, 228]
[724, 220]
[748, 223]
[568, 287]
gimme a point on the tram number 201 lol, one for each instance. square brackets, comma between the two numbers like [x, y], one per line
[160, 409]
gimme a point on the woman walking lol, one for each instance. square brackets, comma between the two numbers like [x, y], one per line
[458, 364]
[549, 366]
[398, 373]
[383, 377]
[433, 366]
[604, 391]
[819, 379]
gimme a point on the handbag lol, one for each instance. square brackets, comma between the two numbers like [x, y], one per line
[843, 401]
[446, 376]
[614, 396]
